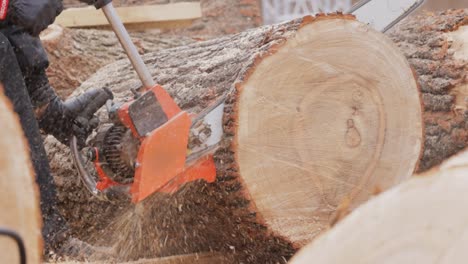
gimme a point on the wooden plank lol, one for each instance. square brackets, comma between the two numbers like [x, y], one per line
[147, 14]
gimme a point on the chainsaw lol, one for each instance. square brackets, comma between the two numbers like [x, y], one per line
[151, 145]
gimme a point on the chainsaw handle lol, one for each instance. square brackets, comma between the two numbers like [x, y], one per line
[128, 46]
[99, 99]
[86, 104]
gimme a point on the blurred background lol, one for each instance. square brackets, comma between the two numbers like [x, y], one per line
[275, 11]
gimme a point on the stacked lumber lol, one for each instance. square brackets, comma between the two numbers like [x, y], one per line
[137, 17]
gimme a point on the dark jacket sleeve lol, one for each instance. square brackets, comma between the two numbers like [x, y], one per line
[28, 49]
[33, 15]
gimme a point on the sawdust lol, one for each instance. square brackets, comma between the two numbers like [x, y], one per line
[199, 218]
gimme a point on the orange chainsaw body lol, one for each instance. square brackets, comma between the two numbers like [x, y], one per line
[161, 160]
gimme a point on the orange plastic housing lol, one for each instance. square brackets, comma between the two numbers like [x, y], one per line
[162, 155]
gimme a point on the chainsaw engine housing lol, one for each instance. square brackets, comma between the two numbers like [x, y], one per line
[144, 148]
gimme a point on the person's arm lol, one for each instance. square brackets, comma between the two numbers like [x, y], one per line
[54, 116]
[32, 15]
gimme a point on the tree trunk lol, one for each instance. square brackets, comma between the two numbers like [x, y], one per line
[19, 197]
[319, 111]
[76, 54]
[435, 45]
[421, 221]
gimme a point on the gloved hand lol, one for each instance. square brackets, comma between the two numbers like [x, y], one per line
[75, 116]
[33, 15]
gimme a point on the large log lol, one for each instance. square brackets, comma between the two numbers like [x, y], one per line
[19, 195]
[76, 54]
[435, 45]
[421, 221]
[319, 110]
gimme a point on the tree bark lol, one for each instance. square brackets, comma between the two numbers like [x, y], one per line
[435, 45]
[19, 195]
[319, 111]
[421, 221]
[76, 54]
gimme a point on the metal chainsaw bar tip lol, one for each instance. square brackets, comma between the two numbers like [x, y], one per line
[212, 118]
[384, 14]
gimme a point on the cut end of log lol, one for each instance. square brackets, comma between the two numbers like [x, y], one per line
[421, 221]
[332, 114]
[19, 195]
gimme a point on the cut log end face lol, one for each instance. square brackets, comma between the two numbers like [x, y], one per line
[333, 114]
[420, 221]
[19, 200]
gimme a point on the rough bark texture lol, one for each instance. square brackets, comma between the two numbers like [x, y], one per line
[76, 54]
[427, 42]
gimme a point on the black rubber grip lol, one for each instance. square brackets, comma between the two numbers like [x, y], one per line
[88, 103]
[100, 3]
[97, 101]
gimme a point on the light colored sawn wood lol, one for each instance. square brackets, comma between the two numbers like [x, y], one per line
[19, 198]
[421, 221]
[333, 115]
[168, 13]
[201, 258]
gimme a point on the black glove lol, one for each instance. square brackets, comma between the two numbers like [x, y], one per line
[33, 15]
[74, 116]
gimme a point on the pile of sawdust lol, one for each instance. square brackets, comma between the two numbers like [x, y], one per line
[201, 217]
